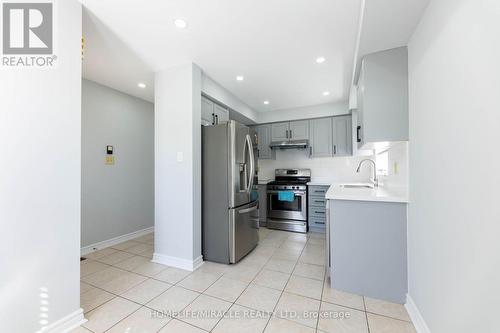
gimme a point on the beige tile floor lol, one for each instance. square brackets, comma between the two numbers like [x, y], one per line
[279, 287]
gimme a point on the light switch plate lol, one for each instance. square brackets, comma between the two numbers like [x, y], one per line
[180, 156]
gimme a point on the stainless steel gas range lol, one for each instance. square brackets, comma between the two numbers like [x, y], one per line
[288, 210]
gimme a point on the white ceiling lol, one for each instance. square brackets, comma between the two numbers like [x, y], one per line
[109, 61]
[388, 24]
[272, 43]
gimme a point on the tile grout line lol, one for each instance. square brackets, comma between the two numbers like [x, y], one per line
[325, 277]
[296, 262]
[203, 293]
[279, 298]
[252, 282]
[234, 302]
[366, 314]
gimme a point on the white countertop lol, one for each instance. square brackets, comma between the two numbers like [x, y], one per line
[383, 194]
[264, 181]
[319, 183]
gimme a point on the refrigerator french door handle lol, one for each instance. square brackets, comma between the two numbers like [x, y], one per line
[247, 210]
[251, 177]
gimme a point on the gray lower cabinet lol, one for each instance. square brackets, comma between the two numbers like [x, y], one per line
[368, 248]
[262, 205]
[316, 208]
[264, 139]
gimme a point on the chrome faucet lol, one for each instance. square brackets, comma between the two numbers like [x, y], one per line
[375, 179]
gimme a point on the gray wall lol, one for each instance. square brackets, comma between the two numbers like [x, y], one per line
[454, 214]
[116, 199]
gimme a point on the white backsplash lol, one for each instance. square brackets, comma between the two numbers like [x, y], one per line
[398, 166]
[338, 169]
[331, 169]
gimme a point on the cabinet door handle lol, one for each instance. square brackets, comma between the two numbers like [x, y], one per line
[334, 149]
[286, 134]
[217, 119]
[320, 201]
[358, 137]
[213, 118]
[290, 134]
[319, 212]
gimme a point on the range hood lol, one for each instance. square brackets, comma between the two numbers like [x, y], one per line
[291, 144]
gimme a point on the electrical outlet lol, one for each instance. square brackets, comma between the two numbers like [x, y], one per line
[110, 160]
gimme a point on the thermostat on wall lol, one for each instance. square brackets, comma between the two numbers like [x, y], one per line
[109, 150]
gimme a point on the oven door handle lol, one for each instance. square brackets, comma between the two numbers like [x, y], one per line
[295, 192]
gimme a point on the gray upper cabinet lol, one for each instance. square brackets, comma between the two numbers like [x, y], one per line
[299, 130]
[264, 139]
[279, 131]
[321, 137]
[207, 112]
[383, 98]
[294, 130]
[212, 113]
[221, 113]
[331, 136]
[342, 135]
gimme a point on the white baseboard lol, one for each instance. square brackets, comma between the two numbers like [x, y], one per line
[181, 263]
[65, 324]
[416, 316]
[113, 241]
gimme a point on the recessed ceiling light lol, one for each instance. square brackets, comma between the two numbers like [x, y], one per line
[266, 102]
[326, 93]
[141, 85]
[320, 60]
[240, 78]
[180, 23]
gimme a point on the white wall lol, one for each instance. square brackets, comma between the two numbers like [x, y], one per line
[314, 111]
[116, 199]
[178, 182]
[221, 94]
[454, 211]
[40, 123]
[398, 166]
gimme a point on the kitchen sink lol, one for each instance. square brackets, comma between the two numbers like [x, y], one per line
[357, 186]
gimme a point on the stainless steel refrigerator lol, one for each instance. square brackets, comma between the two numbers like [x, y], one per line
[230, 218]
